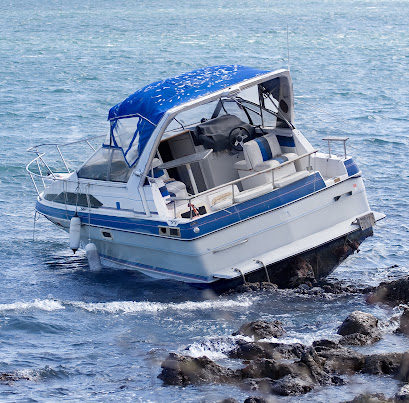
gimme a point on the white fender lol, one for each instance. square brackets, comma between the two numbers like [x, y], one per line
[94, 261]
[75, 233]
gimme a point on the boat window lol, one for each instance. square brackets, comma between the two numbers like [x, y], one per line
[107, 164]
[191, 117]
[75, 199]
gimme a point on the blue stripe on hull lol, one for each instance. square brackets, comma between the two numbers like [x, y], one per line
[155, 269]
[207, 224]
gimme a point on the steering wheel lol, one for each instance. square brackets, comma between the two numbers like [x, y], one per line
[237, 137]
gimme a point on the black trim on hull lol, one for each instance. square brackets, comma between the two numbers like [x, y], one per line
[313, 264]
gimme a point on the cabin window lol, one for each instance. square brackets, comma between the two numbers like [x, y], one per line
[107, 164]
[75, 199]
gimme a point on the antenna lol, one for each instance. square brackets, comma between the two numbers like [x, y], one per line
[288, 51]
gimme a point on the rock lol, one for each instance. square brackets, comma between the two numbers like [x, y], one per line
[359, 322]
[183, 370]
[229, 400]
[383, 364]
[359, 339]
[302, 272]
[403, 394]
[371, 398]
[325, 345]
[404, 322]
[255, 399]
[290, 386]
[404, 368]
[342, 360]
[268, 368]
[251, 350]
[359, 328]
[392, 293]
[260, 329]
[10, 378]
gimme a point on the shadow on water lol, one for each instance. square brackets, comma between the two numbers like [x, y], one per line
[114, 284]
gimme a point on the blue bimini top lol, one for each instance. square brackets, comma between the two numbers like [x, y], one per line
[151, 102]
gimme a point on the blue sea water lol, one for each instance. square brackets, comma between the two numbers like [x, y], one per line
[101, 336]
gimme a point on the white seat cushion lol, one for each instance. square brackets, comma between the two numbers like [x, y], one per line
[176, 188]
[252, 193]
[286, 180]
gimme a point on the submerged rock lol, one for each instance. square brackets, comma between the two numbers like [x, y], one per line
[10, 378]
[255, 399]
[183, 370]
[261, 329]
[359, 328]
[391, 293]
[371, 398]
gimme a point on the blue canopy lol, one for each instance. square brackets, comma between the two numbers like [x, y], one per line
[152, 102]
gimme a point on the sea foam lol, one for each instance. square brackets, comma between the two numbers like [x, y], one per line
[125, 307]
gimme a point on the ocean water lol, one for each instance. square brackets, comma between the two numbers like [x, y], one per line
[101, 336]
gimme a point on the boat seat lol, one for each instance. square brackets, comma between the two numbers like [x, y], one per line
[175, 188]
[260, 154]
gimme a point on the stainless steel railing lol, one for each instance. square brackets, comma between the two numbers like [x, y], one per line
[234, 182]
[44, 171]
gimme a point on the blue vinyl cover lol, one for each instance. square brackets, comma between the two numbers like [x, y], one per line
[153, 100]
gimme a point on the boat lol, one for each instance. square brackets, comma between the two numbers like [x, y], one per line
[204, 178]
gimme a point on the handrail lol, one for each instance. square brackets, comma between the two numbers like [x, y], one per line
[33, 148]
[232, 183]
[330, 138]
[253, 175]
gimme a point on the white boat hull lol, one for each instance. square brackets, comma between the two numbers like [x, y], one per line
[230, 252]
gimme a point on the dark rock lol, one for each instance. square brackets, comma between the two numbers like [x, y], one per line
[251, 350]
[260, 329]
[315, 364]
[268, 368]
[371, 398]
[404, 322]
[404, 368]
[302, 272]
[359, 322]
[229, 400]
[359, 339]
[359, 328]
[392, 293]
[10, 378]
[290, 386]
[255, 399]
[403, 394]
[182, 370]
[325, 345]
[342, 360]
[383, 364]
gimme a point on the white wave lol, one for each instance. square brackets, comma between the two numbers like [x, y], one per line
[145, 306]
[39, 304]
[125, 307]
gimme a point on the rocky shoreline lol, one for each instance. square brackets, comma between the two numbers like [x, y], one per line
[283, 369]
